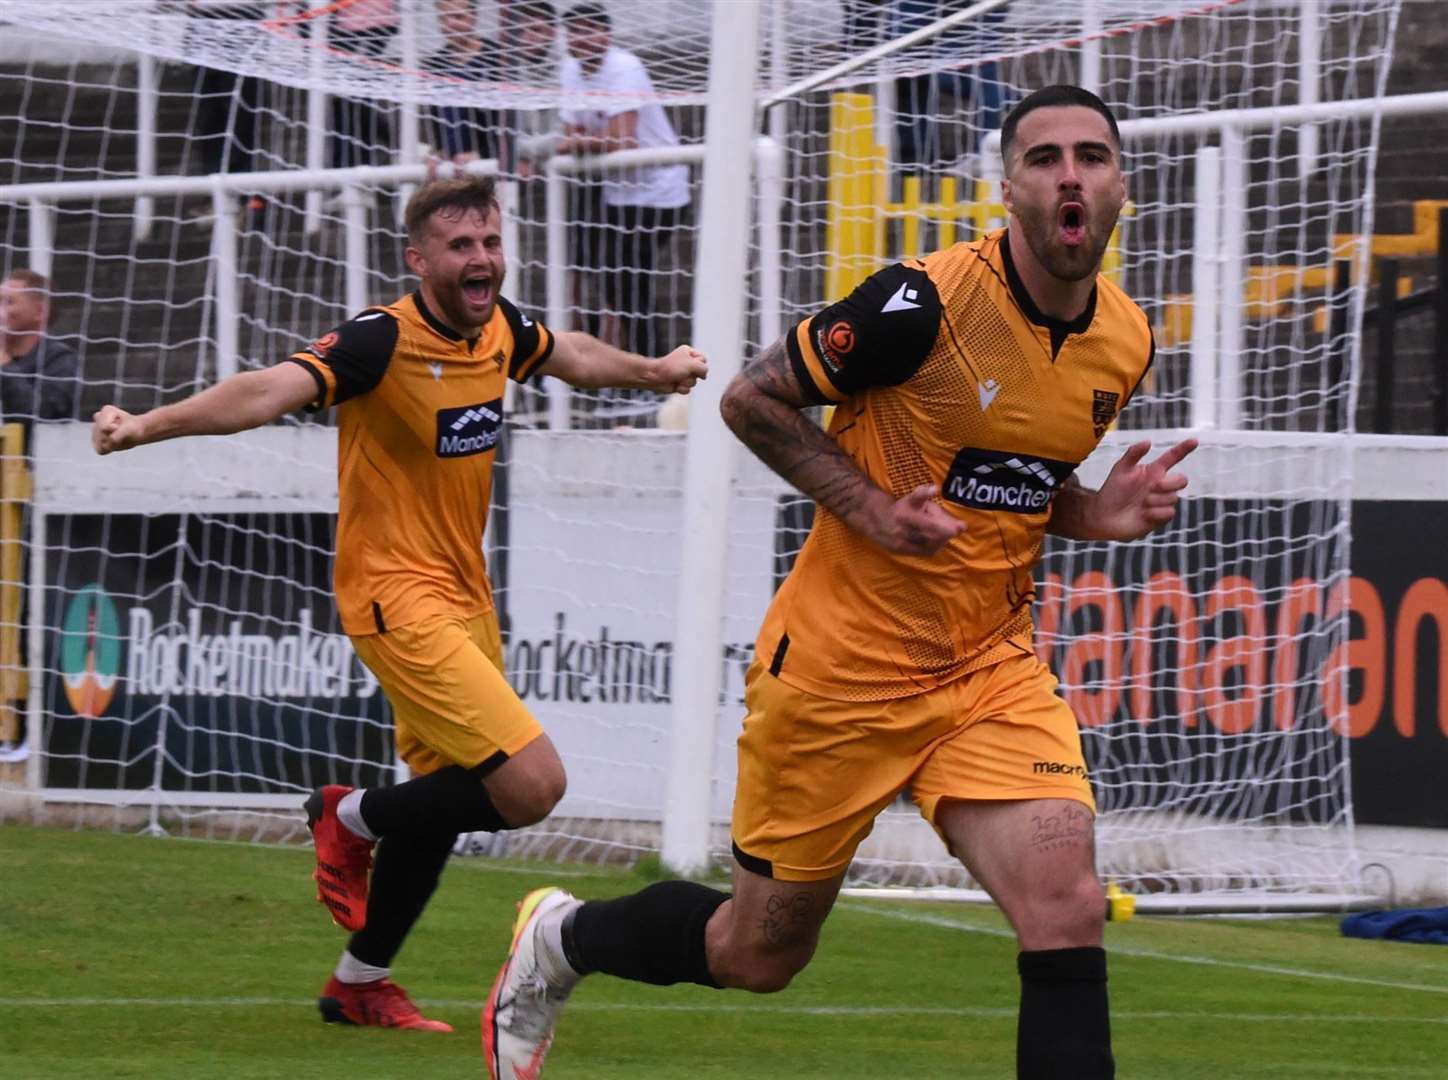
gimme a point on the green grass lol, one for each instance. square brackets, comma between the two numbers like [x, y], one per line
[180, 959]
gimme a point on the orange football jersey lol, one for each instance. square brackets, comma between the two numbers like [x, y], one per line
[420, 409]
[945, 372]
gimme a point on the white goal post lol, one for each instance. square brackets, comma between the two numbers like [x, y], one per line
[185, 668]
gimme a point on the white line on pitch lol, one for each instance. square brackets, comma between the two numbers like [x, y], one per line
[1148, 954]
[978, 1012]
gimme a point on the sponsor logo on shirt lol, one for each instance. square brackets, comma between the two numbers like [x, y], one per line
[835, 343]
[469, 429]
[323, 345]
[1013, 483]
[1103, 410]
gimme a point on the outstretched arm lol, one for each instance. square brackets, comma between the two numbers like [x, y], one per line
[762, 407]
[246, 400]
[586, 362]
[1135, 499]
[620, 134]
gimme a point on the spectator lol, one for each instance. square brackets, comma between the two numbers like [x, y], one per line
[462, 134]
[530, 30]
[642, 206]
[39, 380]
[228, 106]
[918, 98]
[361, 134]
[39, 376]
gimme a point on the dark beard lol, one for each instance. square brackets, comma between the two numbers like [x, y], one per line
[455, 308]
[1058, 263]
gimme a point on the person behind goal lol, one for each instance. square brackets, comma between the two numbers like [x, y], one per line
[418, 385]
[897, 655]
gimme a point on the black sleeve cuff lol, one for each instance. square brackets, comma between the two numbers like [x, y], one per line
[321, 400]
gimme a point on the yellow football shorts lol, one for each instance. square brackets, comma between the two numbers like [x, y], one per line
[451, 704]
[814, 772]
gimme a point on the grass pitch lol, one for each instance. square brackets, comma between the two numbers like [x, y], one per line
[131, 957]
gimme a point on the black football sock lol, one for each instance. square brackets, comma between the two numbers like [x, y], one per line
[451, 800]
[405, 871]
[1065, 1027]
[654, 936]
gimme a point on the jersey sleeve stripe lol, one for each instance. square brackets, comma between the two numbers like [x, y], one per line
[523, 371]
[326, 388]
[807, 367]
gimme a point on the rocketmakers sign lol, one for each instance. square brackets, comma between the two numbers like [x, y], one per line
[292, 663]
[225, 661]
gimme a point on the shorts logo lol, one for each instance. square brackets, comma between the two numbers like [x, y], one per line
[1103, 410]
[1013, 483]
[323, 345]
[836, 343]
[469, 429]
[1057, 768]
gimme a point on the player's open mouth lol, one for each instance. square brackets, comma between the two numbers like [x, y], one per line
[478, 289]
[1072, 220]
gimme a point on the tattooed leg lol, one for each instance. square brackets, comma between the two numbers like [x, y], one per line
[768, 931]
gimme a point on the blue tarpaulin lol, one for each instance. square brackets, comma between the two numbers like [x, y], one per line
[1427, 925]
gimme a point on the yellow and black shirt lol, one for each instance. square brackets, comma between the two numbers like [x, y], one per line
[420, 412]
[945, 372]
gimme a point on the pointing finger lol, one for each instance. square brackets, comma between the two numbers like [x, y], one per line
[1134, 453]
[1176, 453]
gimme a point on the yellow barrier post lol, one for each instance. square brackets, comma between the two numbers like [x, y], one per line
[14, 494]
[854, 191]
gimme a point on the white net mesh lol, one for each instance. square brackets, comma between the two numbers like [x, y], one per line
[1201, 661]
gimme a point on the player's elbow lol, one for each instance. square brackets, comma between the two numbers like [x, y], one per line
[734, 406]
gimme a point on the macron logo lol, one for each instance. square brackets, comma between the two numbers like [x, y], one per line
[903, 300]
[988, 391]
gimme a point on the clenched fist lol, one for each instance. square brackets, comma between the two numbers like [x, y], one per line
[114, 429]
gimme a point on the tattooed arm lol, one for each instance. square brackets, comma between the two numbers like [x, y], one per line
[762, 407]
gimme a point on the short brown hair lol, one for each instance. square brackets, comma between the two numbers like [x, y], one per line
[32, 281]
[1049, 97]
[459, 193]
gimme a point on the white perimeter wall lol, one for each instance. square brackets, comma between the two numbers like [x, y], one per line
[595, 521]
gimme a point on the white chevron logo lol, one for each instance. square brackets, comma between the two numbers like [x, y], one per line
[988, 391]
[902, 299]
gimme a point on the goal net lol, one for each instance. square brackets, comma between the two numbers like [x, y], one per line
[227, 189]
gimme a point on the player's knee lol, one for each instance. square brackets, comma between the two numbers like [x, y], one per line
[1071, 912]
[536, 801]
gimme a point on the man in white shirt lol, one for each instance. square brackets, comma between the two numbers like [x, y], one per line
[641, 206]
